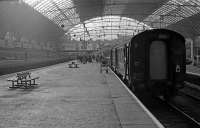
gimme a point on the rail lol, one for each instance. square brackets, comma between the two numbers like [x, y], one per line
[193, 78]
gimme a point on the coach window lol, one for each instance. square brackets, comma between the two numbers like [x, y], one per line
[158, 60]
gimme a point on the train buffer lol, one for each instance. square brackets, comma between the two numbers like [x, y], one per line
[73, 65]
[23, 79]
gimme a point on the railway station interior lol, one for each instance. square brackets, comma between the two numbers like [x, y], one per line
[93, 64]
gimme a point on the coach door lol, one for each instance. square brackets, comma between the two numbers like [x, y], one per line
[158, 60]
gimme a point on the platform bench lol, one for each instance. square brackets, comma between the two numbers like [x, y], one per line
[23, 79]
[73, 65]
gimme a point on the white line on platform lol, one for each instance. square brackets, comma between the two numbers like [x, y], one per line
[155, 120]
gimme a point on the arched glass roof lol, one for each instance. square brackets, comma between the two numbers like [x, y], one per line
[107, 27]
[61, 12]
[172, 12]
[80, 14]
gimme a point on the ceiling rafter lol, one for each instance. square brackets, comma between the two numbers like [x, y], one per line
[159, 13]
[36, 3]
[61, 12]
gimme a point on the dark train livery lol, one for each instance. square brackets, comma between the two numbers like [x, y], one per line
[152, 61]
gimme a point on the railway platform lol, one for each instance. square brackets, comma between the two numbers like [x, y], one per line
[72, 98]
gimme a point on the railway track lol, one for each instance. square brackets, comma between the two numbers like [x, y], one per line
[193, 78]
[181, 112]
[188, 106]
[191, 103]
[194, 122]
[169, 114]
[192, 86]
[189, 95]
[187, 102]
[173, 114]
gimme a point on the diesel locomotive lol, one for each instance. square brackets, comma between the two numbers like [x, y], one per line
[153, 61]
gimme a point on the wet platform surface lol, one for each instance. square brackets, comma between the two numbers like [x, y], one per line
[71, 98]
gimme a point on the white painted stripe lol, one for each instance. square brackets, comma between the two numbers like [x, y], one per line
[155, 120]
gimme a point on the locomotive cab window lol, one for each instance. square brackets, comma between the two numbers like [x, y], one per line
[158, 60]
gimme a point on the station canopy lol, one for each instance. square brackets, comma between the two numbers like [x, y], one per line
[108, 19]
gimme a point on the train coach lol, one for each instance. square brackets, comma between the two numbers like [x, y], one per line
[153, 61]
[118, 55]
